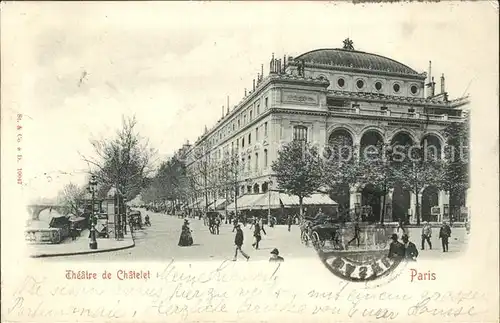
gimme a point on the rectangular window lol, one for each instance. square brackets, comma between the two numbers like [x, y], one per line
[249, 138]
[244, 119]
[256, 161]
[250, 115]
[265, 129]
[249, 162]
[265, 103]
[300, 133]
[258, 108]
[257, 134]
[239, 123]
[265, 157]
[242, 142]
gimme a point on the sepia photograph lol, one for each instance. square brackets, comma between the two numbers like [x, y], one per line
[336, 134]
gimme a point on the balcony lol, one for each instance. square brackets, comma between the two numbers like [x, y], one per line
[392, 114]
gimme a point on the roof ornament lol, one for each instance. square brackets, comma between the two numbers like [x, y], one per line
[348, 44]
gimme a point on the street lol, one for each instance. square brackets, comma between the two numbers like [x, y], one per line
[159, 242]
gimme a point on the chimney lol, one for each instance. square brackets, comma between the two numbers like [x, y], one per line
[222, 111]
[284, 64]
[253, 84]
[271, 65]
[245, 91]
[228, 103]
[279, 65]
[442, 84]
[262, 70]
[433, 87]
[430, 72]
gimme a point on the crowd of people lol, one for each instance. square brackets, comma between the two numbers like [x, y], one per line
[404, 249]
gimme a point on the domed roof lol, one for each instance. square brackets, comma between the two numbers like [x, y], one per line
[355, 59]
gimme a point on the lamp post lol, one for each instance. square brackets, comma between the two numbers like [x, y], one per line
[269, 202]
[92, 189]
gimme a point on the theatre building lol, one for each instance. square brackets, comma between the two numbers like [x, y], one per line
[323, 96]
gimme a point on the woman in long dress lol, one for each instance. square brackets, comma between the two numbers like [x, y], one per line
[186, 238]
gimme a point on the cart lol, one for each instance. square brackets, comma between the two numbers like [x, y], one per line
[319, 233]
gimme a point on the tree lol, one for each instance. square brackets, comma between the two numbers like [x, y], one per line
[71, 197]
[123, 161]
[379, 170]
[416, 172]
[230, 176]
[298, 170]
[456, 163]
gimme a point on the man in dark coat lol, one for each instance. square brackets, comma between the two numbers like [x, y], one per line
[396, 248]
[238, 241]
[289, 222]
[411, 252]
[444, 235]
[275, 256]
[256, 234]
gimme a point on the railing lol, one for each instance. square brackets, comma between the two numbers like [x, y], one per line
[393, 114]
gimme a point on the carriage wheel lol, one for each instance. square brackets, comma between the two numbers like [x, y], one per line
[316, 240]
[304, 238]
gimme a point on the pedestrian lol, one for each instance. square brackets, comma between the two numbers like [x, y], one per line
[289, 222]
[444, 235]
[217, 224]
[467, 225]
[401, 225]
[411, 252]
[186, 239]
[235, 223]
[357, 231]
[238, 241]
[275, 256]
[256, 234]
[426, 235]
[73, 230]
[261, 223]
[396, 248]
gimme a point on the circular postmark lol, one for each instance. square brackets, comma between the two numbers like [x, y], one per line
[357, 252]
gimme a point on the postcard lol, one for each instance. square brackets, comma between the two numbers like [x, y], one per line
[249, 162]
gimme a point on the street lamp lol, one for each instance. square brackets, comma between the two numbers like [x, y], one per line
[92, 189]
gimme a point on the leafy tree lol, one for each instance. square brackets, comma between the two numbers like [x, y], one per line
[123, 161]
[298, 170]
[456, 163]
[416, 172]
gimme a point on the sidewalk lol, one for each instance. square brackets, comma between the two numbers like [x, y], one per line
[80, 246]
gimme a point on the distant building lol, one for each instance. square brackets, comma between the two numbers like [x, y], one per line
[322, 96]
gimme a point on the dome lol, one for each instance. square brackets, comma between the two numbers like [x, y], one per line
[355, 59]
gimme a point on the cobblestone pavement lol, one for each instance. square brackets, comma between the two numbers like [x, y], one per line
[159, 242]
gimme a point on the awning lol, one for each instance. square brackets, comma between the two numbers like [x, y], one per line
[196, 204]
[275, 200]
[314, 199]
[245, 202]
[217, 203]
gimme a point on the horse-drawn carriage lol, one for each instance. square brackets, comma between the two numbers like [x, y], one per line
[135, 220]
[319, 233]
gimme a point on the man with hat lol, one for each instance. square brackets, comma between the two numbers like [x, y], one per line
[396, 248]
[238, 241]
[411, 252]
[275, 257]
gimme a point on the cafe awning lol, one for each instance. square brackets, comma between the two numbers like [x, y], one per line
[274, 200]
[216, 204]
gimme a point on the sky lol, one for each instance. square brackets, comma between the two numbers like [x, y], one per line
[74, 69]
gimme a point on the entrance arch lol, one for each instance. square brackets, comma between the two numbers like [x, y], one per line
[370, 196]
[430, 198]
[431, 145]
[371, 144]
[400, 203]
[340, 143]
[256, 188]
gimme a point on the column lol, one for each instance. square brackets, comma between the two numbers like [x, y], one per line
[388, 206]
[355, 197]
[413, 207]
[443, 199]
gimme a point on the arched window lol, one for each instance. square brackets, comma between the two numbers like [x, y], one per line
[300, 133]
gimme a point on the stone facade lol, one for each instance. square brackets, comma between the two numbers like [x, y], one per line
[365, 96]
